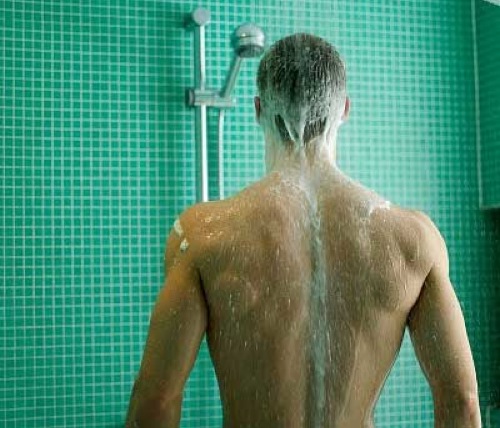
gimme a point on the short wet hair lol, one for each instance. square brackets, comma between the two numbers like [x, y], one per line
[301, 81]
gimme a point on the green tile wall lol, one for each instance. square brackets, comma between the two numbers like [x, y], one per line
[488, 57]
[97, 159]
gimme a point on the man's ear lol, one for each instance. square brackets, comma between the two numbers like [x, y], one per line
[347, 108]
[256, 101]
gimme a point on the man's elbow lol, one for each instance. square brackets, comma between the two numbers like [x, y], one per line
[149, 410]
[458, 410]
[470, 409]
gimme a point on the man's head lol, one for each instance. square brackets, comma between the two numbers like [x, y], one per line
[301, 83]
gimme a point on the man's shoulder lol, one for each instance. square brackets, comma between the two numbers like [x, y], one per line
[409, 220]
[205, 223]
[432, 237]
[419, 236]
[423, 223]
[199, 218]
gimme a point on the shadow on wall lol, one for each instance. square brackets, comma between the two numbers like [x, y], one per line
[175, 76]
[492, 218]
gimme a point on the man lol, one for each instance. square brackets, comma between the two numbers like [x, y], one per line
[305, 281]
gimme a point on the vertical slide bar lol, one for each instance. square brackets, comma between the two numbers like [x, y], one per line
[201, 111]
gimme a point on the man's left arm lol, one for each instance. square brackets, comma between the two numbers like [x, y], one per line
[177, 326]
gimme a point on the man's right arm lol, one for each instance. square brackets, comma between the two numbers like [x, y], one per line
[440, 340]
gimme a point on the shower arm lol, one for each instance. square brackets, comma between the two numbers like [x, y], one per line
[208, 97]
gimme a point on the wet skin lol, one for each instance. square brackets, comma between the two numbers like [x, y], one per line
[304, 284]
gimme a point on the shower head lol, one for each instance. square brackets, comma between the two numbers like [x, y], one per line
[248, 41]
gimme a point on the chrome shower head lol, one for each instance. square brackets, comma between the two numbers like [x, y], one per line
[248, 41]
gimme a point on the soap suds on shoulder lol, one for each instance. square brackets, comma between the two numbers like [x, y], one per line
[184, 245]
[178, 227]
[386, 205]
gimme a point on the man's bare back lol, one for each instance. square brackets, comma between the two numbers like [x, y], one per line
[308, 284]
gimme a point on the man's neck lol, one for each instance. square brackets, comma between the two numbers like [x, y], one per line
[308, 160]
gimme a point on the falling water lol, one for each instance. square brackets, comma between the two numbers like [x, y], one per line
[319, 328]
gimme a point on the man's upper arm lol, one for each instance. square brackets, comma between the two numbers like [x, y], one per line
[177, 326]
[439, 337]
